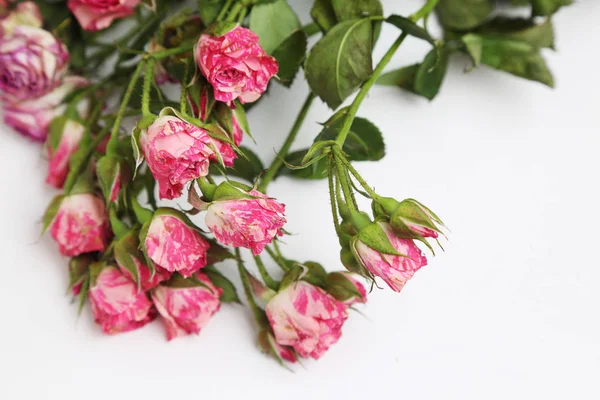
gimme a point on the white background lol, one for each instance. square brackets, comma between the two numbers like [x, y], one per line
[509, 311]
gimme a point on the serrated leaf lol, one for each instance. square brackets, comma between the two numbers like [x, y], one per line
[229, 294]
[363, 143]
[517, 58]
[410, 28]
[341, 61]
[273, 23]
[290, 55]
[539, 35]
[350, 9]
[464, 14]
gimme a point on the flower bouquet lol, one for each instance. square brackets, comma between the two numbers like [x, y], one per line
[138, 102]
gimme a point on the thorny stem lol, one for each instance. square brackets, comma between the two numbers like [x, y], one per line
[285, 148]
[114, 135]
[332, 199]
[277, 257]
[359, 178]
[148, 78]
[269, 281]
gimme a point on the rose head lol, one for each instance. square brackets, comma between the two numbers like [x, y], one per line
[395, 270]
[246, 222]
[26, 13]
[80, 225]
[188, 309]
[235, 65]
[306, 318]
[94, 15]
[177, 152]
[58, 158]
[175, 246]
[117, 304]
[147, 280]
[32, 63]
[32, 117]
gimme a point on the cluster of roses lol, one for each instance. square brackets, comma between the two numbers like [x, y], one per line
[135, 263]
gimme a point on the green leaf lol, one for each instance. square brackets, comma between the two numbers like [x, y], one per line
[273, 23]
[125, 250]
[51, 212]
[548, 7]
[323, 14]
[464, 14]
[341, 61]
[351, 9]
[229, 294]
[108, 170]
[431, 73]
[247, 166]
[517, 58]
[410, 28]
[538, 35]
[402, 77]
[474, 48]
[290, 55]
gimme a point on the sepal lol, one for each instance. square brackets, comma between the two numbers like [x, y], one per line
[126, 251]
[343, 288]
[229, 293]
[108, 171]
[267, 343]
[51, 212]
[79, 272]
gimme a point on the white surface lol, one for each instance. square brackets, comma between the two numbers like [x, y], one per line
[510, 311]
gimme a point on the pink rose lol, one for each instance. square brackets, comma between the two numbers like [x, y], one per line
[80, 225]
[175, 246]
[26, 13]
[147, 280]
[32, 117]
[306, 318]
[235, 65]
[117, 304]
[32, 63]
[94, 15]
[188, 309]
[394, 270]
[58, 158]
[247, 222]
[177, 152]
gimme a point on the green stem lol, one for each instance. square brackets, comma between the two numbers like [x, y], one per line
[360, 179]
[424, 11]
[148, 78]
[311, 29]
[114, 135]
[224, 10]
[278, 161]
[159, 55]
[242, 15]
[183, 98]
[353, 109]
[237, 7]
[343, 178]
[270, 282]
[276, 256]
[259, 314]
[332, 199]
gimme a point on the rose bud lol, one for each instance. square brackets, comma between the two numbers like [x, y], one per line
[32, 117]
[186, 305]
[345, 287]
[175, 246]
[235, 65]
[117, 304]
[240, 218]
[177, 152]
[32, 63]
[394, 269]
[94, 15]
[409, 218]
[60, 149]
[269, 345]
[26, 13]
[80, 225]
[306, 318]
